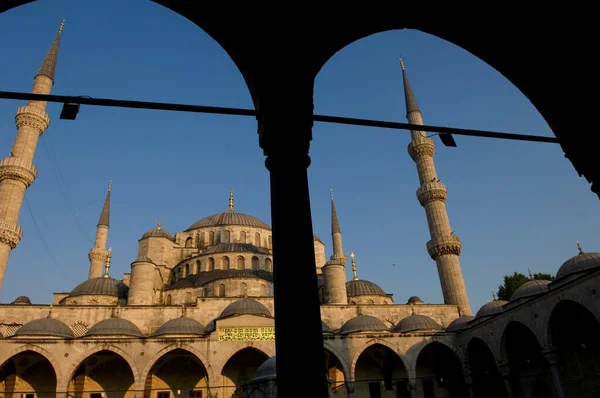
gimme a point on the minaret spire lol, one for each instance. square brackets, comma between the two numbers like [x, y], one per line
[98, 254]
[444, 246]
[334, 271]
[335, 224]
[354, 277]
[17, 171]
[231, 200]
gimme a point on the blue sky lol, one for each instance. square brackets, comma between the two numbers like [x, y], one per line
[515, 205]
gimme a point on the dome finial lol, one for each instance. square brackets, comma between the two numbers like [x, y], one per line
[493, 295]
[182, 310]
[412, 309]
[49, 312]
[530, 274]
[579, 248]
[231, 200]
[158, 225]
[108, 258]
[354, 277]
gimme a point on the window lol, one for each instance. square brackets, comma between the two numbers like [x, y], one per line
[28, 395]
[188, 242]
[241, 263]
[255, 263]
[195, 394]
[225, 262]
[168, 300]
[374, 390]
[211, 238]
[211, 264]
[242, 237]
[227, 237]
[187, 269]
[163, 394]
[257, 239]
[269, 265]
[270, 242]
[221, 290]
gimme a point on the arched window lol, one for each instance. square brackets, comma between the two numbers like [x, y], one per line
[255, 263]
[370, 302]
[244, 289]
[263, 290]
[227, 237]
[269, 265]
[225, 264]
[188, 242]
[221, 290]
[211, 264]
[188, 299]
[241, 263]
[198, 266]
[187, 270]
[168, 300]
[257, 239]
[270, 242]
[201, 241]
[178, 273]
[242, 237]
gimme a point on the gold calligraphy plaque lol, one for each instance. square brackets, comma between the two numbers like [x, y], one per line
[247, 334]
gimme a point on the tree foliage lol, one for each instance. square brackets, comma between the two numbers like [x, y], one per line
[512, 282]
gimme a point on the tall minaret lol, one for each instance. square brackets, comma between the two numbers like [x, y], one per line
[17, 171]
[334, 271]
[444, 246]
[98, 254]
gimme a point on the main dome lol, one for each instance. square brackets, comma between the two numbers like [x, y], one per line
[229, 218]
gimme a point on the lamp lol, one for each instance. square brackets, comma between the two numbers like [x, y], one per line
[71, 109]
[447, 139]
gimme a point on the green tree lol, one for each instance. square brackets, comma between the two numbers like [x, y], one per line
[512, 282]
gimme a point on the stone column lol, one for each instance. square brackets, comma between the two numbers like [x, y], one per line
[551, 357]
[285, 106]
[505, 374]
[412, 388]
[350, 389]
[469, 386]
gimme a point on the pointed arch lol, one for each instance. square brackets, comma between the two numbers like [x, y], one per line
[341, 358]
[58, 371]
[371, 343]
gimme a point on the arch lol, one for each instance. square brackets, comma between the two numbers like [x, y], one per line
[585, 301]
[189, 242]
[379, 365]
[226, 236]
[269, 265]
[341, 358]
[58, 371]
[178, 346]
[438, 367]
[370, 343]
[242, 236]
[225, 263]
[240, 367]
[257, 239]
[111, 348]
[211, 264]
[255, 263]
[26, 373]
[222, 291]
[211, 238]
[487, 381]
[240, 263]
[187, 270]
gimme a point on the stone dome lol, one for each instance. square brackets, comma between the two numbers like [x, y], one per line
[158, 232]
[245, 306]
[45, 327]
[114, 326]
[229, 218]
[415, 322]
[325, 327]
[491, 308]
[361, 287]
[459, 323]
[143, 259]
[181, 325]
[579, 263]
[362, 323]
[105, 286]
[267, 369]
[530, 288]
[22, 300]
[235, 247]
[414, 300]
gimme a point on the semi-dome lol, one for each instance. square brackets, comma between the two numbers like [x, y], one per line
[47, 327]
[460, 323]
[103, 285]
[114, 326]
[359, 287]
[267, 369]
[180, 325]
[363, 323]
[530, 288]
[245, 306]
[415, 322]
[229, 218]
[325, 327]
[579, 263]
[158, 232]
[22, 300]
[414, 300]
[491, 308]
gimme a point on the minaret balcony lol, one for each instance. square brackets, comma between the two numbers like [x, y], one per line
[98, 254]
[13, 168]
[421, 147]
[10, 233]
[32, 116]
[444, 245]
[430, 191]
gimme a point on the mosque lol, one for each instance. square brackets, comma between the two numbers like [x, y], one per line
[195, 316]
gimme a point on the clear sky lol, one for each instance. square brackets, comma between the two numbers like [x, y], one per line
[515, 205]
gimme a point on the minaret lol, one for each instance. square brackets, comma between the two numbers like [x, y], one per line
[334, 271]
[17, 171]
[444, 246]
[98, 254]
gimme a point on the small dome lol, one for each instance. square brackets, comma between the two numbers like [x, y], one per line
[245, 306]
[45, 327]
[491, 308]
[180, 326]
[531, 288]
[414, 300]
[229, 218]
[22, 300]
[267, 369]
[105, 286]
[459, 323]
[415, 323]
[143, 259]
[114, 326]
[158, 232]
[579, 263]
[325, 327]
[363, 323]
[361, 287]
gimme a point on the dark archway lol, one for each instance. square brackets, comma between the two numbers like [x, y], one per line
[439, 372]
[530, 374]
[335, 372]
[178, 373]
[239, 369]
[380, 372]
[487, 381]
[27, 373]
[103, 374]
[574, 332]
